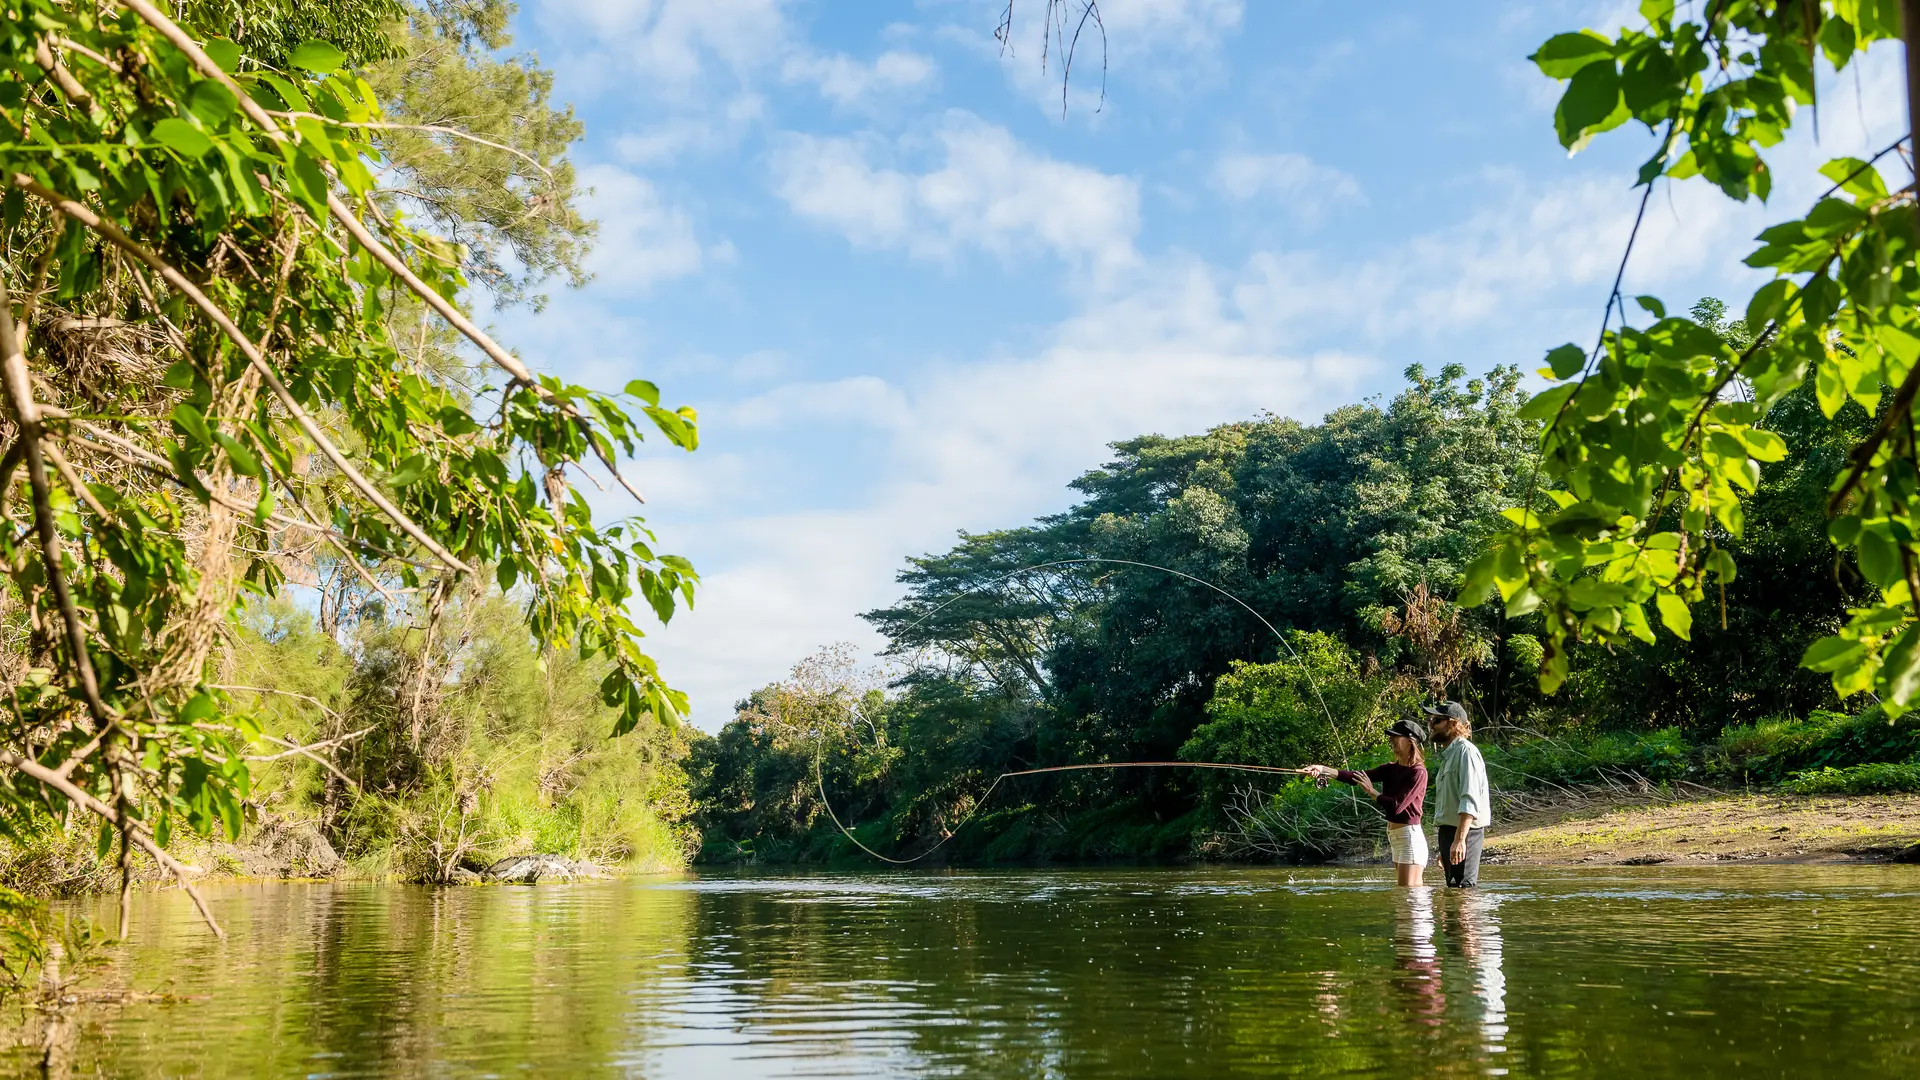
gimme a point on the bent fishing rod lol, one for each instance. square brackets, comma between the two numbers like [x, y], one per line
[819, 775]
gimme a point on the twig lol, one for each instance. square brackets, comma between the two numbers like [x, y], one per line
[341, 213]
[439, 129]
[308, 425]
[34, 770]
[19, 391]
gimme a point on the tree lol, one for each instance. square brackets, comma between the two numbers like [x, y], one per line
[1656, 439]
[202, 377]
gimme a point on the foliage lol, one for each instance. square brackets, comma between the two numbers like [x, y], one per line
[41, 950]
[205, 293]
[1655, 442]
[477, 147]
[1879, 778]
[499, 750]
[1273, 713]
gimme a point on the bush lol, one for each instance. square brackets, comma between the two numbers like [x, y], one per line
[1585, 758]
[1772, 751]
[1876, 778]
[1302, 822]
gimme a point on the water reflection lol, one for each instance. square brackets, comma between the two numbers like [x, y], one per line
[1477, 928]
[1419, 978]
[1171, 973]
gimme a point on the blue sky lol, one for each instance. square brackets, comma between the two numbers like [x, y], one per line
[909, 297]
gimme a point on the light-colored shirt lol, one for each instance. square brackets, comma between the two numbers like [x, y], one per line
[1460, 786]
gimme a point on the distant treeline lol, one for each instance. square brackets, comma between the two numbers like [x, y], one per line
[1351, 536]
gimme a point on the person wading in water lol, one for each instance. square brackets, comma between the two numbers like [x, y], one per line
[1462, 806]
[1398, 788]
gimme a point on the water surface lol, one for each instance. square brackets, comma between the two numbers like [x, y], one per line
[1759, 971]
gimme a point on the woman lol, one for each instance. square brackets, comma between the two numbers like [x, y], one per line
[1398, 788]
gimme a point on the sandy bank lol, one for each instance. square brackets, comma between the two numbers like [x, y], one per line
[1734, 828]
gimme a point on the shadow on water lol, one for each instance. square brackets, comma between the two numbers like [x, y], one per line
[1165, 972]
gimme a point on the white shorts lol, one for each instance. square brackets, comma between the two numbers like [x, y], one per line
[1409, 845]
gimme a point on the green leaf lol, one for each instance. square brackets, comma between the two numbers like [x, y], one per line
[1565, 54]
[1652, 305]
[182, 138]
[1766, 304]
[1675, 615]
[1833, 653]
[1546, 404]
[242, 458]
[1900, 669]
[319, 57]
[1879, 556]
[411, 471]
[223, 52]
[192, 422]
[212, 103]
[1590, 102]
[1566, 361]
[1837, 41]
[1855, 177]
[644, 390]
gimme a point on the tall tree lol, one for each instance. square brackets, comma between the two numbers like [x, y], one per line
[201, 375]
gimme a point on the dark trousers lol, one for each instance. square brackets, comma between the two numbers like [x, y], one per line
[1464, 874]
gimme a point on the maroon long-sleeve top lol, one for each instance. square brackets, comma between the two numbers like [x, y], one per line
[1403, 788]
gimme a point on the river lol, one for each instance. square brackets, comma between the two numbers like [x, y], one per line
[1647, 971]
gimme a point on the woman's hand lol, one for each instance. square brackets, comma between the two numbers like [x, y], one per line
[1319, 772]
[1366, 785]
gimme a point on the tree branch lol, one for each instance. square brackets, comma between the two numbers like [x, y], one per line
[36, 771]
[19, 391]
[341, 213]
[179, 281]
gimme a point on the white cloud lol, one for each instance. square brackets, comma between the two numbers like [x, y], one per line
[713, 129]
[847, 81]
[673, 47]
[1161, 45]
[989, 193]
[643, 239]
[1305, 187]
[982, 446]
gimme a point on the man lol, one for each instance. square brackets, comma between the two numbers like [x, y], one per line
[1462, 806]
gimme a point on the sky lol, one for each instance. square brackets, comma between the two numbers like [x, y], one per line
[910, 293]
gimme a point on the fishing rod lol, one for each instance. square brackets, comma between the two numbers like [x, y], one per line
[819, 775]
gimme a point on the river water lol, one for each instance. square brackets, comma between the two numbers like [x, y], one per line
[1646, 971]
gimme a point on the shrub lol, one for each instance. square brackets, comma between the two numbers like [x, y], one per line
[1586, 758]
[1874, 778]
[1774, 750]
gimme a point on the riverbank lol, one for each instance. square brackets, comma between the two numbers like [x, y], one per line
[1768, 827]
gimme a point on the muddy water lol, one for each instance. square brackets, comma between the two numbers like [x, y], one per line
[1753, 971]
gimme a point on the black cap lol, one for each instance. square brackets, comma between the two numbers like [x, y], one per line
[1410, 729]
[1452, 710]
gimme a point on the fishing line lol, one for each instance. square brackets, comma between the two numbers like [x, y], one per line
[819, 775]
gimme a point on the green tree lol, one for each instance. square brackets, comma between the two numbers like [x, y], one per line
[202, 377]
[1656, 441]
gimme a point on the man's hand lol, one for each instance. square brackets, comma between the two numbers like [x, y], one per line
[1458, 853]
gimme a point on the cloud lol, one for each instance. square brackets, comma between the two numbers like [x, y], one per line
[1308, 189]
[643, 239]
[981, 446]
[846, 81]
[1162, 45]
[987, 193]
[672, 47]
